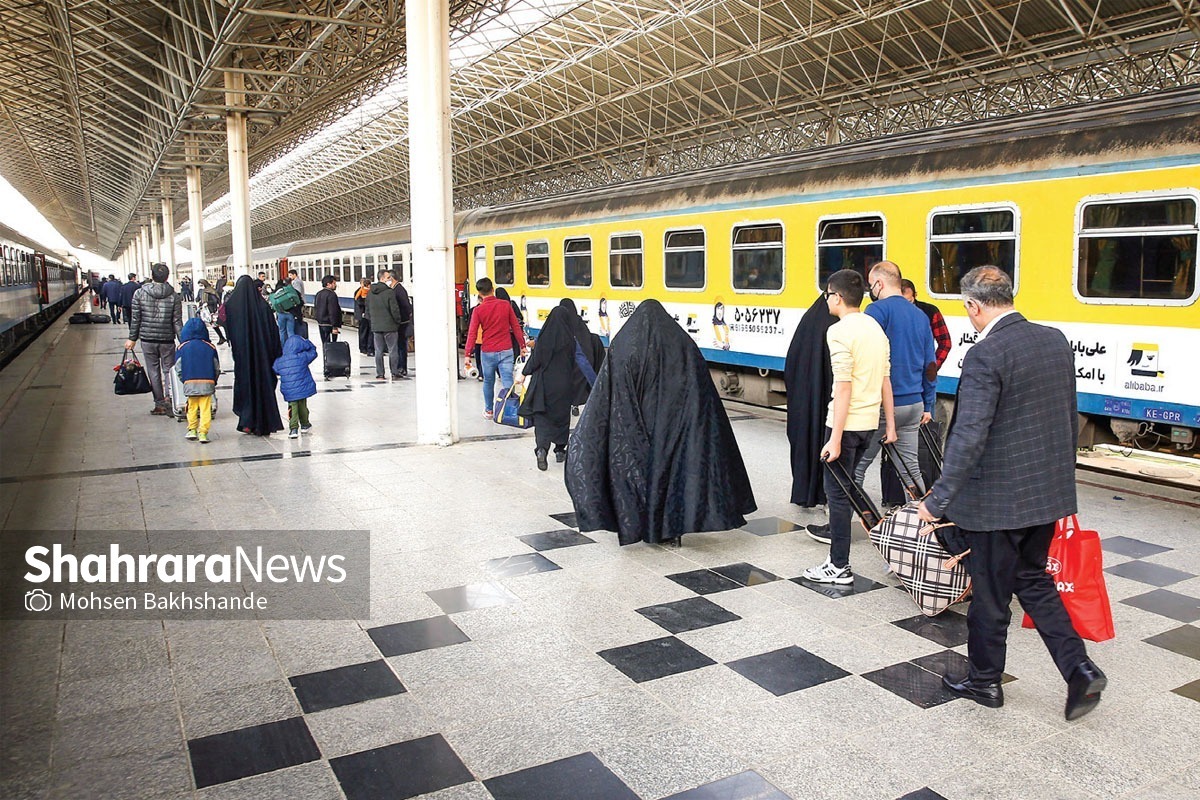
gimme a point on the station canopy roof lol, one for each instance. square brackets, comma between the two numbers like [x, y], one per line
[102, 102]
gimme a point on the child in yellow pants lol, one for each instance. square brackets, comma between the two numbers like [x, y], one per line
[198, 365]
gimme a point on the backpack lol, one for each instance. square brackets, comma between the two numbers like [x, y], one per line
[284, 299]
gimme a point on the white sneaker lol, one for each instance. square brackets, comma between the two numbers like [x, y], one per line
[293, 434]
[828, 573]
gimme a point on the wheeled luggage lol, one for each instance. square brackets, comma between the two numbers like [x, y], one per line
[934, 577]
[337, 360]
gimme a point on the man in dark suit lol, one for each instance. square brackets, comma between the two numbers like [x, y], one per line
[1007, 477]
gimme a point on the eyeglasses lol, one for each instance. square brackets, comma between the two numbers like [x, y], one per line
[827, 294]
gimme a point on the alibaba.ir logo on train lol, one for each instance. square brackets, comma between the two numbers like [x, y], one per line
[1143, 360]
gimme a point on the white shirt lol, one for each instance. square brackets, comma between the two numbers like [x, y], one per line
[988, 328]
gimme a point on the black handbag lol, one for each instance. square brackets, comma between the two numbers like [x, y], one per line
[131, 378]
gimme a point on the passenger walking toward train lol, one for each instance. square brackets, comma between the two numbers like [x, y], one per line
[366, 342]
[128, 289]
[157, 318]
[254, 340]
[111, 292]
[199, 367]
[911, 352]
[1008, 476]
[937, 323]
[562, 370]
[808, 376]
[495, 318]
[858, 353]
[384, 312]
[296, 382]
[327, 310]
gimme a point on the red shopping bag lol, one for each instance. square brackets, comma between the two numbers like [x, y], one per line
[1076, 563]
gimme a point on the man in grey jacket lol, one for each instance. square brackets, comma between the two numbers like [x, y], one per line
[157, 317]
[1008, 476]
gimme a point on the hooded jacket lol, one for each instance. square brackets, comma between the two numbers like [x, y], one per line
[382, 309]
[157, 314]
[197, 359]
[295, 380]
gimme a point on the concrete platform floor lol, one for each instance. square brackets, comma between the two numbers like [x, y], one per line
[508, 656]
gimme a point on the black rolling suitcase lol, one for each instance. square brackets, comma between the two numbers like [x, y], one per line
[337, 360]
[935, 578]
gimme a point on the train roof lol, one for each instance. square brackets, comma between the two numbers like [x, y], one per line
[1163, 121]
[16, 237]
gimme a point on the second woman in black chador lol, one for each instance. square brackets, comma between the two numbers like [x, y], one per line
[254, 339]
[654, 455]
[558, 379]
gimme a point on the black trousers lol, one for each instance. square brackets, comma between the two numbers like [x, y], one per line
[327, 334]
[1003, 563]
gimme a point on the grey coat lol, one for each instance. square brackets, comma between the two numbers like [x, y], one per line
[1010, 456]
[157, 314]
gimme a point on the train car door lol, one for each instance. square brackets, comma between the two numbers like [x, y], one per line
[43, 280]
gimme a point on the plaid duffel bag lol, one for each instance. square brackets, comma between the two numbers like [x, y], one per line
[934, 577]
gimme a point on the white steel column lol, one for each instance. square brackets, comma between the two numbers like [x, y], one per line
[155, 240]
[168, 219]
[196, 213]
[239, 172]
[143, 267]
[432, 218]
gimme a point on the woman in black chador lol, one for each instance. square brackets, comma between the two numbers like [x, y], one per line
[559, 379]
[808, 377]
[654, 455]
[254, 339]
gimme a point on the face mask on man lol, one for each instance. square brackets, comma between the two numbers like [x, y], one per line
[872, 293]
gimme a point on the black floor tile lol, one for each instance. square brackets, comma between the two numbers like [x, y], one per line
[748, 785]
[949, 662]
[553, 540]
[567, 519]
[922, 794]
[413, 637]
[457, 599]
[745, 574]
[918, 686]
[769, 526]
[704, 581]
[1149, 572]
[834, 591]
[656, 658]
[688, 615]
[345, 686]
[401, 770]
[1134, 548]
[1166, 603]
[1189, 690]
[581, 777]
[1184, 640]
[516, 566]
[787, 670]
[949, 628]
[233, 755]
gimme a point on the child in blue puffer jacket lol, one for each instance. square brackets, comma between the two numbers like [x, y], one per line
[296, 382]
[198, 365]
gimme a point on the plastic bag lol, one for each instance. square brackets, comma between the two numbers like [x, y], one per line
[1076, 563]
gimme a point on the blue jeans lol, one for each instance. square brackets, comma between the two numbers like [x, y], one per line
[287, 325]
[854, 444]
[490, 363]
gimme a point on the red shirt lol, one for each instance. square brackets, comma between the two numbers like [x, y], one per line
[499, 324]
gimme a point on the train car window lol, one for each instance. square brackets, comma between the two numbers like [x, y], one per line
[1137, 249]
[625, 260]
[537, 263]
[964, 238]
[367, 268]
[480, 265]
[504, 264]
[848, 243]
[758, 258]
[577, 261]
[683, 259]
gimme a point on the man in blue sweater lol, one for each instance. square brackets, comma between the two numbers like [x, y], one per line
[912, 350]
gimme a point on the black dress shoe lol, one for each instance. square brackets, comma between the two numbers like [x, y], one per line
[986, 694]
[560, 456]
[1083, 689]
[541, 459]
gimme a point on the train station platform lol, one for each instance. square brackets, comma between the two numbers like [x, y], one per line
[506, 655]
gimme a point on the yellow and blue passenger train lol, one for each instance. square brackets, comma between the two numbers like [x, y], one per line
[1092, 210]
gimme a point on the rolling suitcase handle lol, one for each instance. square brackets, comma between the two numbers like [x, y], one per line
[868, 514]
[932, 445]
[911, 484]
